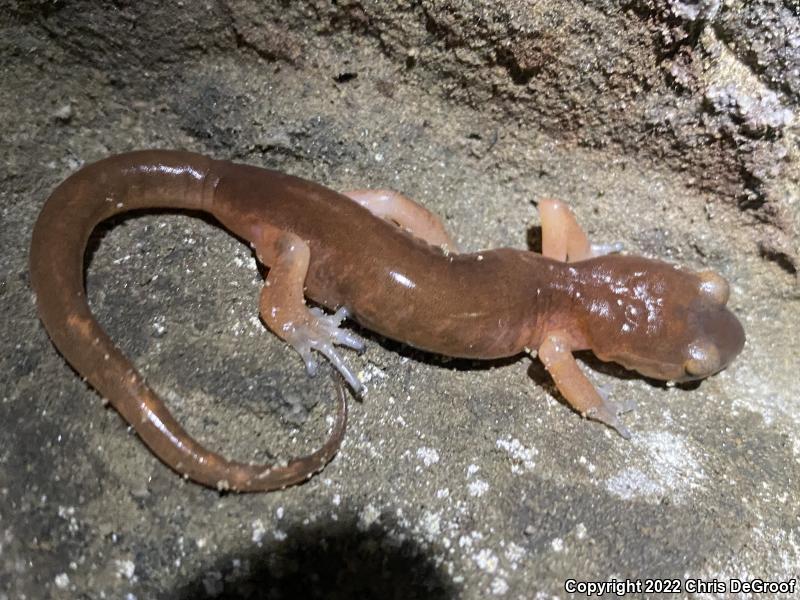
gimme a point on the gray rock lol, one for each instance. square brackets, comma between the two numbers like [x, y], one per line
[670, 126]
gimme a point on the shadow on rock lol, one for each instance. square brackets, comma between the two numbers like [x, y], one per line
[332, 560]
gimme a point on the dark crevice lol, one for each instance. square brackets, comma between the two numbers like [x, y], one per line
[334, 559]
[780, 258]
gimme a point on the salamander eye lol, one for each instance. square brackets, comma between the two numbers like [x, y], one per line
[703, 360]
[714, 287]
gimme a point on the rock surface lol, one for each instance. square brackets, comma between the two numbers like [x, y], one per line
[671, 126]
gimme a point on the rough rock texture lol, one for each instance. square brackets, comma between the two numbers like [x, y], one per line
[671, 126]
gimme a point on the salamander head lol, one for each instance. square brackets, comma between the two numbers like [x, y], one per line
[661, 321]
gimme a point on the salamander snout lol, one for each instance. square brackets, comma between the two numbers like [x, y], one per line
[721, 334]
[666, 323]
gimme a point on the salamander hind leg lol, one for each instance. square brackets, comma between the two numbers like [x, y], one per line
[283, 307]
[563, 238]
[404, 212]
[556, 355]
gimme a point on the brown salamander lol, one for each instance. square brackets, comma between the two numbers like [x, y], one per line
[386, 262]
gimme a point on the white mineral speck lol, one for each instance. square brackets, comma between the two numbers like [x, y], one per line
[367, 517]
[258, 531]
[64, 113]
[477, 488]
[499, 586]
[125, 568]
[486, 560]
[62, 581]
[514, 554]
[519, 454]
[428, 456]
[632, 483]
[668, 467]
[430, 524]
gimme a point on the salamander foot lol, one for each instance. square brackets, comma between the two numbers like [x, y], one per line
[321, 332]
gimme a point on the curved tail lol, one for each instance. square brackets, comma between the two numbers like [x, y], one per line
[138, 180]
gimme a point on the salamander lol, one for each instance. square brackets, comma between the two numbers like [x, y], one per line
[385, 261]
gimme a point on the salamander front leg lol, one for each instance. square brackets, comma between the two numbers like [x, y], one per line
[404, 212]
[556, 355]
[283, 306]
[563, 239]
